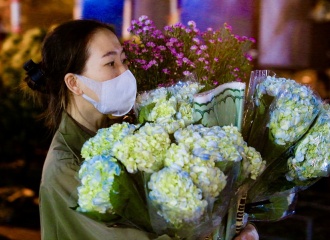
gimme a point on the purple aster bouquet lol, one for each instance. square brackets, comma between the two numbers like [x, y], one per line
[164, 57]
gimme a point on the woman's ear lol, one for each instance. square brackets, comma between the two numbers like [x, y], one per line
[72, 83]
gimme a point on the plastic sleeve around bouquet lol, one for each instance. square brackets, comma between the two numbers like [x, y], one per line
[178, 206]
[296, 170]
[283, 111]
[256, 77]
[311, 153]
[107, 193]
[271, 197]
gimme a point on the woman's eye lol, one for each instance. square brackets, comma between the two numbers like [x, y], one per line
[111, 64]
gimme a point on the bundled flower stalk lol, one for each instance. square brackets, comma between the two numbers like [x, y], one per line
[288, 124]
[159, 57]
[107, 193]
[279, 113]
[311, 153]
[183, 175]
[297, 169]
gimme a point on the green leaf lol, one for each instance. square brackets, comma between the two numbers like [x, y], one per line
[274, 209]
[128, 202]
[107, 218]
[145, 111]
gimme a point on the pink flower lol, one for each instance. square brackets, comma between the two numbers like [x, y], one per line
[193, 47]
[203, 47]
[192, 24]
[215, 56]
[186, 73]
[142, 18]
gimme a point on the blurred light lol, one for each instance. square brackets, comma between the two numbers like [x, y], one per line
[306, 79]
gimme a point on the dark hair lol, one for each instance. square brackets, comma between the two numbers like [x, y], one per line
[64, 50]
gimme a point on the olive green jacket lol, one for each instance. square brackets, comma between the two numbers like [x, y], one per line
[58, 192]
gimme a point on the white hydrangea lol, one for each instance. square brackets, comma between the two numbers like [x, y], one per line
[311, 155]
[294, 109]
[211, 180]
[105, 138]
[144, 150]
[178, 199]
[97, 177]
[170, 106]
[253, 164]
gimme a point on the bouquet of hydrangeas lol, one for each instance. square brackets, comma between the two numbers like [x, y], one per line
[305, 162]
[175, 177]
[162, 57]
[279, 113]
[289, 125]
[184, 169]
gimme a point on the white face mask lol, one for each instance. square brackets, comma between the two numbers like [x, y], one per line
[116, 96]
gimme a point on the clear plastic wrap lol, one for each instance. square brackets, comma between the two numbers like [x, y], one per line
[279, 113]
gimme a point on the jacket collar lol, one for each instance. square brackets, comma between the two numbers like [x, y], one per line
[73, 135]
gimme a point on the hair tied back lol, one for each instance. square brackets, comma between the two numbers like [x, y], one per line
[35, 75]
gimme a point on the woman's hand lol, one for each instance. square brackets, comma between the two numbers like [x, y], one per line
[248, 233]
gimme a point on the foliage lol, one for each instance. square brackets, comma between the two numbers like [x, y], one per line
[20, 130]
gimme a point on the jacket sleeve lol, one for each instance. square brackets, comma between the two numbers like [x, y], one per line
[61, 222]
[58, 221]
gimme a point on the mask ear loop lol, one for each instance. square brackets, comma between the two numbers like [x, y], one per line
[93, 85]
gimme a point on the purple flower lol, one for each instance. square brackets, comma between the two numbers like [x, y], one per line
[228, 27]
[161, 48]
[192, 24]
[151, 44]
[196, 40]
[166, 71]
[168, 28]
[248, 57]
[186, 73]
[142, 18]
[203, 47]
[193, 47]
[215, 56]
[146, 28]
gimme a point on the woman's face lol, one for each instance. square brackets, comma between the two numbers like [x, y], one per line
[106, 57]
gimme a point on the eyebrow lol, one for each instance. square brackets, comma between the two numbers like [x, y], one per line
[110, 53]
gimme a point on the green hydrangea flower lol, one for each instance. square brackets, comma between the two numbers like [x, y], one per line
[105, 138]
[144, 150]
[294, 109]
[311, 154]
[97, 177]
[170, 106]
[178, 199]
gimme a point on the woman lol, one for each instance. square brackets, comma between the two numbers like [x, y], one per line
[81, 60]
